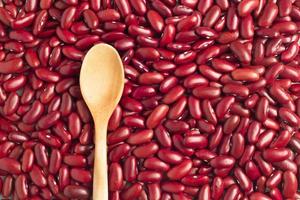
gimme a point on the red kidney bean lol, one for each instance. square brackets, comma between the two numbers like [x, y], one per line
[268, 15]
[115, 177]
[289, 184]
[21, 187]
[172, 186]
[274, 179]
[244, 181]
[246, 7]
[132, 192]
[76, 191]
[41, 155]
[146, 150]
[130, 168]
[259, 195]
[11, 66]
[27, 160]
[37, 176]
[181, 170]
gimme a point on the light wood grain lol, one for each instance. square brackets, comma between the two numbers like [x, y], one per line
[101, 83]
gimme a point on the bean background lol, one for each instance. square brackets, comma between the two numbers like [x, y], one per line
[210, 108]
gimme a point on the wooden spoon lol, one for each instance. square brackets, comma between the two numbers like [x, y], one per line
[101, 83]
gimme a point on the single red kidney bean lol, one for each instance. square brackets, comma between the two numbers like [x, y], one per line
[157, 115]
[21, 187]
[274, 179]
[55, 161]
[130, 168]
[285, 27]
[175, 126]
[259, 195]
[275, 193]
[289, 184]
[285, 8]
[194, 80]
[238, 145]
[14, 83]
[41, 155]
[139, 7]
[172, 186]
[212, 16]
[265, 167]
[207, 92]
[49, 140]
[7, 186]
[286, 165]
[174, 94]
[222, 162]
[27, 160]
[290, 53]
[74, 125]
[154, 191]
[155, 164]
[268, 15]
[67, 17]
[222, 65]
[262, 109]
[140, 137]
[149, 176]
[134, 121]
[205, 192]
[179, 171]
[178, 108]
[207, 54]
[247, 27]
[48, 120]
[115, 177]
[195, 141]
[245, 74]
[155, 20]
[204, 154]
[118, 135]
[162, 136]
[90, 18]
[53, 185]
[265, 139]
[169, 156]
[244, 181]
[195, 181]
[76, 191]
[75, 160]
[37, 176]
[232, 192]
[11, 66]
[232, 19]
[108, 15]
[32, 58]
[132, 192]
[10, 165]
[145, 151]
[12, 103]
[124, 7]
[115, 119]
[288, 116]
[247, 154]
[246, 7]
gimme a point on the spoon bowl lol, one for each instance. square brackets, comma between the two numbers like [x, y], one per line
[101, 83]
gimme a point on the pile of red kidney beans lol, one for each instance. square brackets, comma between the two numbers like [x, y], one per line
[210, 108]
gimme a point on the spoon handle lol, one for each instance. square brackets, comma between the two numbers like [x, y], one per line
[100, 184]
